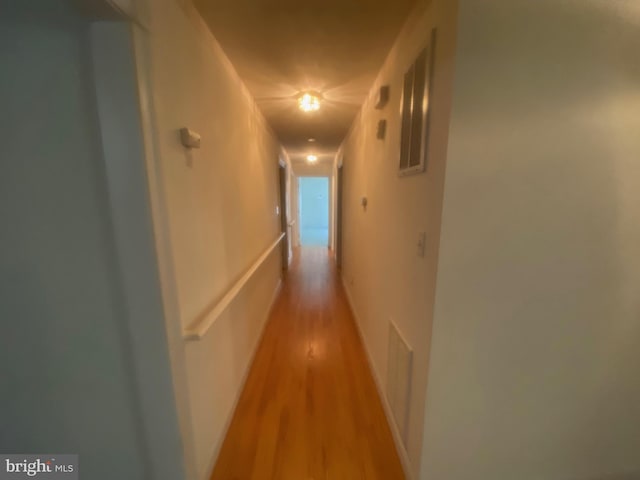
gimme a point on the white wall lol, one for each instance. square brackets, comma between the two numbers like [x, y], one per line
[69, 378]
[305, 169]
[384, 276]
[534, 367]
[215, 215]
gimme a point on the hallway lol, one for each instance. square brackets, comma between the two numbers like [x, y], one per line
[466, 307]
[310, 408]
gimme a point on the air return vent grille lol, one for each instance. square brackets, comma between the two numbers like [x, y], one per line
[399, 362]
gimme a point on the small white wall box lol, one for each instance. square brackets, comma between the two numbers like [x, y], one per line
[383, 97]
[189, 138]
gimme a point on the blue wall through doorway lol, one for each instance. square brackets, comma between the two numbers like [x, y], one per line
[314, 210]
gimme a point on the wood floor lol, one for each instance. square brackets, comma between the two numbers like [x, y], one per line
[310, 409]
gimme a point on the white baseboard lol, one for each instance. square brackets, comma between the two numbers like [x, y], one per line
[254, 349]
[397, 437]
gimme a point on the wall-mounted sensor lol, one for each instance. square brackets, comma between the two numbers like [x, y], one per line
[189, 138]
[382, 97]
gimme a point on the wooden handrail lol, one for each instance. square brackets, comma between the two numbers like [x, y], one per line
[201, 325]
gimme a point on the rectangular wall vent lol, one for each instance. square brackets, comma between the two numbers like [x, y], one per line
[399, 364]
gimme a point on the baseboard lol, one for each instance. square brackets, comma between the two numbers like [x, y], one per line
[254, 349]
[397, 438]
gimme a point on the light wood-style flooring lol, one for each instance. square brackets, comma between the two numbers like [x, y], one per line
[310, 409]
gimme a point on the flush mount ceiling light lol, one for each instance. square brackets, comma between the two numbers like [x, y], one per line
[312, 158]
[309, 101]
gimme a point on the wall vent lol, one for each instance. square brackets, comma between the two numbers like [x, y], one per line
[399, 364]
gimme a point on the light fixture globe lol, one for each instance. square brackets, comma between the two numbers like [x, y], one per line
[309, 101]
[312, 158]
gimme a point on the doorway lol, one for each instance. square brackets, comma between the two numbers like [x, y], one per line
[313, 201]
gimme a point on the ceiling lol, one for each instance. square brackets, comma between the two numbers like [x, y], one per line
[283, 47]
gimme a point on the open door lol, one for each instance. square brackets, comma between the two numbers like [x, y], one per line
[284, 223]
